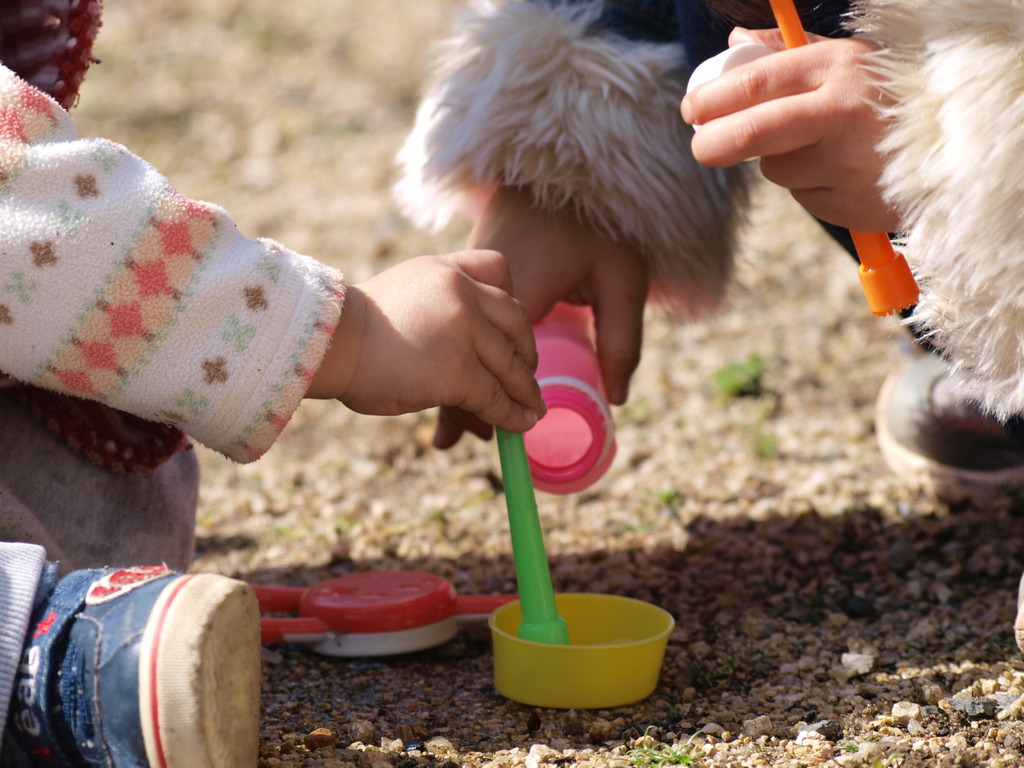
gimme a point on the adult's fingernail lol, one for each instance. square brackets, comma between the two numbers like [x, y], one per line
[686, 110]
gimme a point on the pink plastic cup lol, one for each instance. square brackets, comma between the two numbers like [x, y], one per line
[574, 444]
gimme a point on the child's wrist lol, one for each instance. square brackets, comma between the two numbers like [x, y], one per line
[340, 361]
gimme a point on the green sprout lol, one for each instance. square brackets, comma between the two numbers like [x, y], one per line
[670, 497]
[741, 379]
[651, 753]
[852, 748]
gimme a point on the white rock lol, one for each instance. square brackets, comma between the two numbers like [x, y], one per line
[858, 663]
[905, 711]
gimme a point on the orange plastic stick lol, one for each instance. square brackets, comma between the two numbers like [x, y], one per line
[789, 23]
[886, 278]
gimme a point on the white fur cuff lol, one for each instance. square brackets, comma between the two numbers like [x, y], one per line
[527, 96]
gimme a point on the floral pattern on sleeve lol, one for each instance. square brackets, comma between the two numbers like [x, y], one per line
[116, 288]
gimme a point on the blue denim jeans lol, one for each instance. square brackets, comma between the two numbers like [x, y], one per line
[89, 626]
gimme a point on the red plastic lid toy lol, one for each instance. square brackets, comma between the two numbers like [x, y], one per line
[376, 613]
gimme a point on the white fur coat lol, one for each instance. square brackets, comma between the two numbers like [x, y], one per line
[525, 96]
[955, 70]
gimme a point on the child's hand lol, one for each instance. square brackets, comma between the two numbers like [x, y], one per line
[557, 256]
[436, 330]
[811, 115]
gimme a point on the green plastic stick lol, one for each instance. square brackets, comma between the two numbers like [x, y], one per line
[541, 622]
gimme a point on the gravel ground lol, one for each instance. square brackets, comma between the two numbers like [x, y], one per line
[826, 612]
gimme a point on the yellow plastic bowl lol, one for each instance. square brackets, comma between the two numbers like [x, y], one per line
[616, 646]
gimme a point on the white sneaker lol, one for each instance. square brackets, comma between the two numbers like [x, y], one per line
[942, 443]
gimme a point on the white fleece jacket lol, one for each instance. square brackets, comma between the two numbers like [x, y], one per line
[955, 72]
[116, 288]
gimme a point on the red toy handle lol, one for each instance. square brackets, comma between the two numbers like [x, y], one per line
[278, 599]
[301, 629]
[481, 605]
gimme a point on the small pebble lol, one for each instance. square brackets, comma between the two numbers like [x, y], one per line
[320, 738]
[374, 758]
[973, 708]
[905, 711]
[857, 607]
[758, 726]
[600, 730]
[858, 663]
[538, 754]
[829, 729]
[270, 656]
[404, 732]
[574, 723]
[440, 746]
[1010, 705]
[533, 721]
[901, 555]
[809, 737]
[363, 731]
[712, 729]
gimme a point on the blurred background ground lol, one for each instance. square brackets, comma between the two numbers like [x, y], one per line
[763, 520]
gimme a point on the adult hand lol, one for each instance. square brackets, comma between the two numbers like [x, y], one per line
[559, 256]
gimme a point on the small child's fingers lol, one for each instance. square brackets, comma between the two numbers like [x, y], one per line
[488, 267]
[510, 319]
[501, 358]
[489, 399]
[490, 272]
[516, 417]
[500, 384]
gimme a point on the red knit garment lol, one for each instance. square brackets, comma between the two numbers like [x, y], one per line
[112, 439]
[49, 43]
